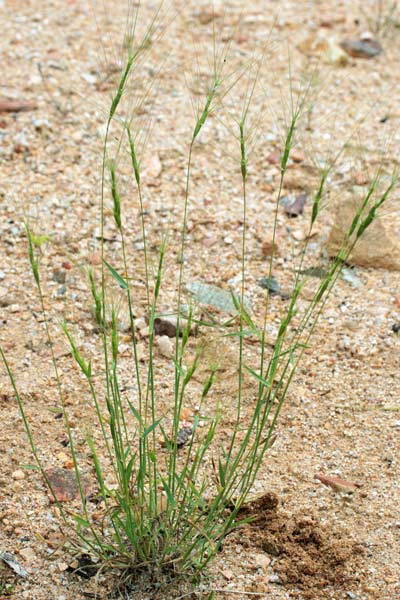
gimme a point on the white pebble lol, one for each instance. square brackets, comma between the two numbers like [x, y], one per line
[166, 346]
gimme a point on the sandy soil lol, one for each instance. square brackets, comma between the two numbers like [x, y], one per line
[341, 417]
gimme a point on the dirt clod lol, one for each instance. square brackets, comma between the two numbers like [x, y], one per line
[309, 555]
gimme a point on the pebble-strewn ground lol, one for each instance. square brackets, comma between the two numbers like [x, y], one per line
[62, 58]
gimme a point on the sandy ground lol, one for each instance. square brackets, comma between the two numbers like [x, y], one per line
[341, 417]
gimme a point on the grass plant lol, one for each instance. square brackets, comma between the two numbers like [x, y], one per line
[166, 513]
[386, 17]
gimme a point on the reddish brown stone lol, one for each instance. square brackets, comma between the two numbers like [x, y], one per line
[64, 484]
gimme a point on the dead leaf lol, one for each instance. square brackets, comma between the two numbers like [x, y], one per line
[13, 106]
[12, 562]
[340, 486]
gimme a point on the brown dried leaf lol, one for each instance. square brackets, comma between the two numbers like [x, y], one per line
[13, 106]
[340, 486]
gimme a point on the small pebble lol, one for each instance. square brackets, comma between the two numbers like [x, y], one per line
[269, 247]
[274, 158]
[228, 574]
[297, 155]
[95, 258]
[89, 78]
[299, 235]
[209, 241]
[140, 323]
[262, 560]
[18, 474]
[166, 346]
[41, 124]
[363, 48]
[15, 308]
[61, 291]
[21, 143]
[5, 297]
[59, 275]
[352, 324]
[27, 554]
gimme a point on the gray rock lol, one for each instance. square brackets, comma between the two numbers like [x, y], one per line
[352, 278]
[214, 296]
